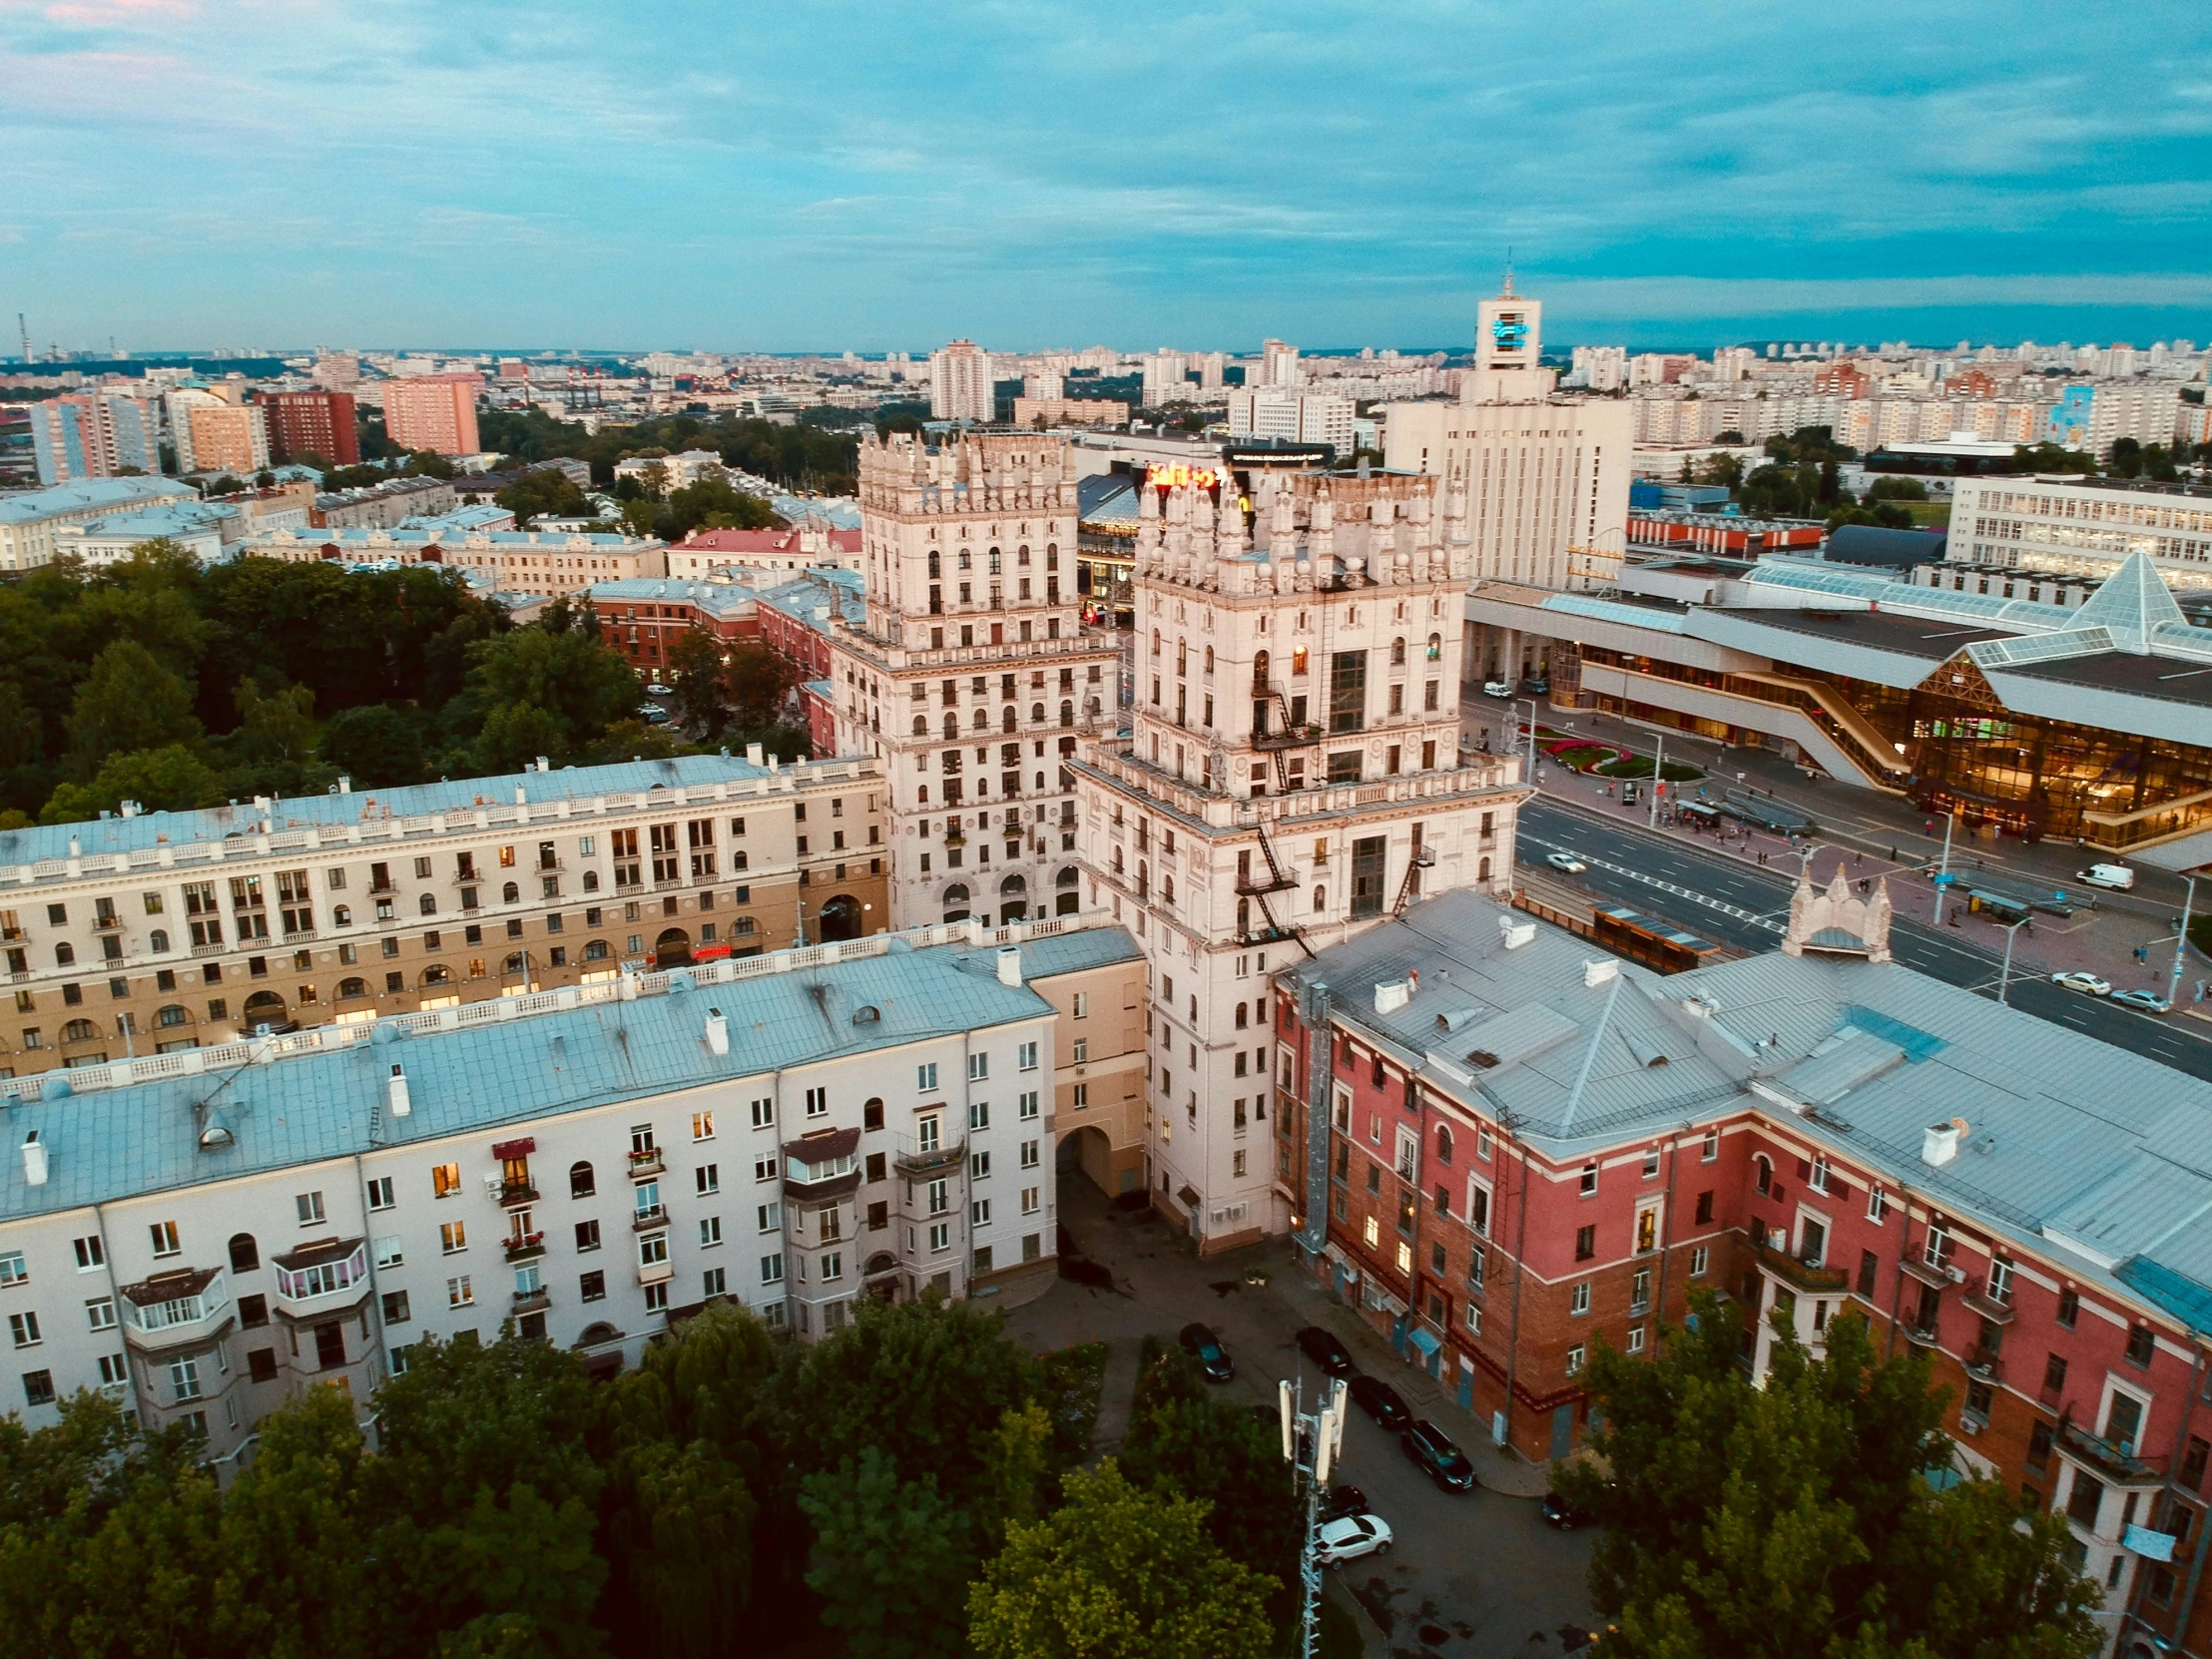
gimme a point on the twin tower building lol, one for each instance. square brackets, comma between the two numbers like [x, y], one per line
[1269, 762]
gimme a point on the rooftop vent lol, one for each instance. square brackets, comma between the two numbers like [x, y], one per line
[717, 1033]
[396, 1092]
[1393, 994]
[1602, 970]
[1515, 933]
[1481, 1057]
[215, 1133]
[34, 1159]
[1009, 964]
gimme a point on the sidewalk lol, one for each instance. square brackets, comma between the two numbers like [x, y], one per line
[1869, 834]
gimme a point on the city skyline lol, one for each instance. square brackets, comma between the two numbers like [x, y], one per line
[1028, 178]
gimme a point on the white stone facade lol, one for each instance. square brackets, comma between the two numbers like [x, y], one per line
[1292, 775]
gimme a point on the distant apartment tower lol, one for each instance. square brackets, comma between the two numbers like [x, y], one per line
[1546, 476]
[1278, 364]
[94, 435]
[1297, 416]
[212, 435]
[335, 370]
[433, 411]
[312, 423]
[960, 382]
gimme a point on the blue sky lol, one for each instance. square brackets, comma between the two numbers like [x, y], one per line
[859, 173]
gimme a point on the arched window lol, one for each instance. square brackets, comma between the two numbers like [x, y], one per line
[1067, 711]
[1320, 900]
[1764, 1169]
[342, 915]
[350, 988]
[510, 892]
[1444, 1143]
[158, 942]
[982, 721]
[80, 1031]
[1036, 713]
[1012, 885]
[437, 973]
[596, 950]
[1242, 1017]
[1155, 642]
[1298, 659]
[581, 1182]
[921, 726]
[513, 964]
[172, 1014]
[1435, 647]
[65, 953]
[1482, 873]
[1144, 878]
[957, 893]
[429, 905]
[1006, 718]
[245, 1255]
[951, 726]
[1398, 652]
[1167, 889]
[1117, 861]
[591, 881]
[1209, 658]
[1260, 674]
[1066, 879]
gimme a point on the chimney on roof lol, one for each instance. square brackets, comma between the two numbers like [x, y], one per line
[396, 1092]
[1009, 964]
[345, 785]
[717, 1033]
[1939, 1144]
[34, 1160]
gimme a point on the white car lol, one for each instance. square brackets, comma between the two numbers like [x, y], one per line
[1566, 862]
[1352, 1537]
[1496, 687]
[2088, 984]
[658, 690]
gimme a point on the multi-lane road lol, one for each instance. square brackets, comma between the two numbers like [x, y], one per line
[1743, 905]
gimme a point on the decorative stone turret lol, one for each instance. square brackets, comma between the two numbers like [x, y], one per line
[1835, 922]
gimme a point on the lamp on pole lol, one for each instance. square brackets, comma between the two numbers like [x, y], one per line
[2181, 937]
[2004, 979]
[1531, 702]
[1943, 877]
[1312, 1444]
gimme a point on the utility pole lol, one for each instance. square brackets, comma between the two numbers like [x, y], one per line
[1658, 780]
[1312, 1444]
[2005, 979]
[1943, 884]
[1530, 780]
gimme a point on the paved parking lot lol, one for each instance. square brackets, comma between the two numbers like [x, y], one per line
[1475, 1574]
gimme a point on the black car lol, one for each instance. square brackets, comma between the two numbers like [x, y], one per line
[1326, 1351]
[1431, 1449]
[1342, 1501]
[1199, 1342]
[1566, 1516]
[1381, 1402]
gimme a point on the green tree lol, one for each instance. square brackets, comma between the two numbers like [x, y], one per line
[543, 493]
[711, 504]
[172, 779]
[760, 680]
[1796, 1519]
[1896, 490]
[546, 693]
[377, 745]
[1117, 1572]
[695, 671]
[128, 701]
[891, 1558]
[294, 1539]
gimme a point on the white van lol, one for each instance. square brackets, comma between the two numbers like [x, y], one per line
[2116, 876]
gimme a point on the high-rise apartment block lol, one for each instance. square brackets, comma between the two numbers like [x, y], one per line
[95, 435]
[212, 434]
[1546, 476]
[312, 423]
[1292, 775]
[1279, 366]
[433, 411]
[973, 676]
[960, 382]
[1297, 416]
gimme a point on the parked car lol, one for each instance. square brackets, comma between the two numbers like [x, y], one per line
[1566, 862]
[2145, 1002]
[1631, 794]
[1431, 1449]
[1381, 1402]
[1199, 1342]
[1342, 1501]
[2118, 877]
[1566, 1516]
[658, 690]
[2088, 984]
[1350, 1537]
[654, 715]
[1497, 688]
[1536, 686]
[1324, 1351]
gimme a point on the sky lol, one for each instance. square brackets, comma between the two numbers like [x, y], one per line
[875, 176]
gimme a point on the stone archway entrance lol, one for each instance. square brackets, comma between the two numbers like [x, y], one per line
[838, 918]
[672, 949]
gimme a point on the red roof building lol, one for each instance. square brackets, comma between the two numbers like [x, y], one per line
[802, 546]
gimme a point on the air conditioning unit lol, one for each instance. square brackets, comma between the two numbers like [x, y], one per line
[492, 1186]
[1966, 1425]
[1958, 1276]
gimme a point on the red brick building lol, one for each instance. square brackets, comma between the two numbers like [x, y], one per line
[312, 423]
[1500, 1145]
[644, 617]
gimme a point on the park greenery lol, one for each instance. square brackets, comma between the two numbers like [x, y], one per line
[914, 1482]
[1799, 1519]
[801, 456]
[176, 685]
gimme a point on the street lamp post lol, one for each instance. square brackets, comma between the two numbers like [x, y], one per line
[2004, 979]
[2181, 938]
[1312, 1444]
[1658, 779]
[1943, 884]
[1532, 777]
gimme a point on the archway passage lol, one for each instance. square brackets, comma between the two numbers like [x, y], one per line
[1089, 1153]
[840, 918]
[263, 1005]
[672, 949]
[1012, 912]
[957, 902]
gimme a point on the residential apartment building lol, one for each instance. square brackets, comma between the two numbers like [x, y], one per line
[969, 673]
[161, 932]
[81, 435]
[673, 472]
[1292, 777]
[545, 563]
[807, 545]
[2084, 527]
[312, 423]
[196, 526]
[30, 520]
[433, 411]
[1501, 1146]
[216, 436]
[645, 618]
[383, 506]
[1546, 477]
[961, 385]
[1293, 415]
[587, 1166]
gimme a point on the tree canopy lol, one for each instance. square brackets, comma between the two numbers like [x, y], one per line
[801, 456]
[1796, 1519]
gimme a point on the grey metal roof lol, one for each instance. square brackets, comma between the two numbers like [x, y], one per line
[498, 1070]
[2072, 1145]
